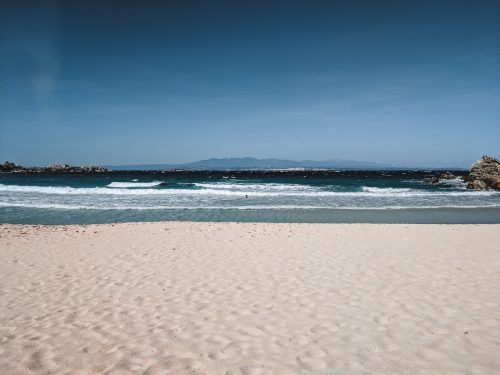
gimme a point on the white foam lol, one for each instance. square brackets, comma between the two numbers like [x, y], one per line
[367, 192]
[256, 187]
[457, 182]
[390, 191]
[134, 184]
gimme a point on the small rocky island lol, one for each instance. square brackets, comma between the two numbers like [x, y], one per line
[55, 168]
[484, 174]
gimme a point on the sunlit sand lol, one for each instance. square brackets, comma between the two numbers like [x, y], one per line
[228, 298]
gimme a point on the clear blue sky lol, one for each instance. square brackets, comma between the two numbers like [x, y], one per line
[129, 82]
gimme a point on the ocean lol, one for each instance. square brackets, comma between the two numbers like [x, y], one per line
[376, 197]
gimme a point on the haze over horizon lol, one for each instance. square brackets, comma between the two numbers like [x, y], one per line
[251, 162]
[408, 83]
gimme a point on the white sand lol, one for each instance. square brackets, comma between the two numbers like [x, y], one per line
[228, 298]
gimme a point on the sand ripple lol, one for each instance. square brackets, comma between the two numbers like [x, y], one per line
[232, 298]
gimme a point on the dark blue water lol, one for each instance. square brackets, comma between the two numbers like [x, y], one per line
[61, 199]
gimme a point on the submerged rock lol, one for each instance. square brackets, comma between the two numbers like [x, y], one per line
[484, 174]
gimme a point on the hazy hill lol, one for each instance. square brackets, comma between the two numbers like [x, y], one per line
[253, 163]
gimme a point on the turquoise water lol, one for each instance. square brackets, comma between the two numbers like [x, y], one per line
[384, 198]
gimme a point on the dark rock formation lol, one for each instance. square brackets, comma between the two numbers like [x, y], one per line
[9, 167]
[426, 175]
[55, 168]
[444, 176]
[477, 185]
[447, 176]
[484, 174]
[92, 168]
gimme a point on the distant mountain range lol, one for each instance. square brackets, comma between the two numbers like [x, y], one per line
[253, 163]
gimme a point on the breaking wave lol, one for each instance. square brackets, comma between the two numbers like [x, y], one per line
[134, 184]
[62, 199]
[244, 190]
[239, 191]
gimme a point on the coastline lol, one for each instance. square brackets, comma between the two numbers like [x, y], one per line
[210, 298]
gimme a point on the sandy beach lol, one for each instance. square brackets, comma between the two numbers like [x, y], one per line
[229, 298]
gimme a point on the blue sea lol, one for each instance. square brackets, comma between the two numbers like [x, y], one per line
[111, 197]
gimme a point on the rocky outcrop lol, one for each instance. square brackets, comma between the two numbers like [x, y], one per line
[92, 168]
[9, 167]
[55, 168]
[447, 176]
[484, 174]
[477, 185]
[443, 177]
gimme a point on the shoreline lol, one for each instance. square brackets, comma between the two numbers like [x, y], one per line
[184, 222]
[438, 216]
[244, 298]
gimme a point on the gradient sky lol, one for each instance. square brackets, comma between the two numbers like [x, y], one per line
[122, 82]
